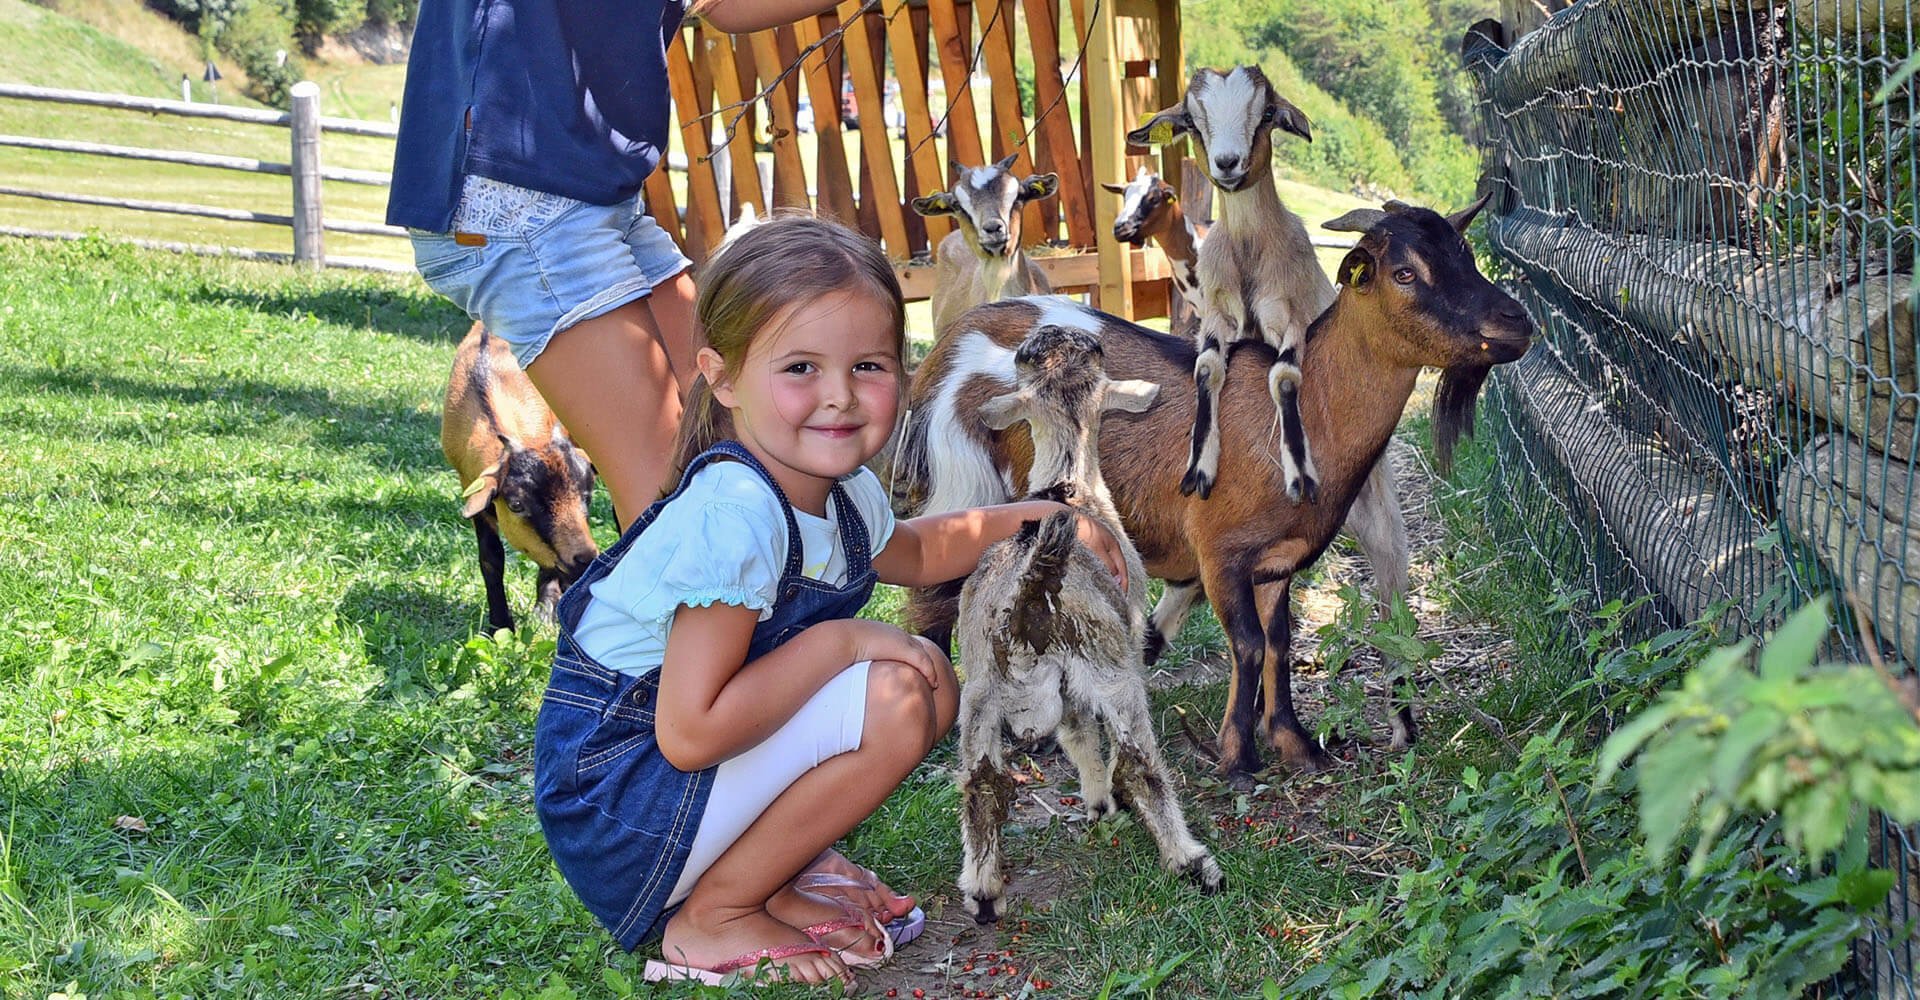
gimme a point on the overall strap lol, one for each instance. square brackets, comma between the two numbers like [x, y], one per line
[855, 542]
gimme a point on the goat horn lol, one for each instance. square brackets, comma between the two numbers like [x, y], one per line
[1357, 221]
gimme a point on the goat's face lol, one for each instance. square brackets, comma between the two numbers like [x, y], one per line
[538, 498]
[1231, 116]
[986, 201]
[1145, 207]
[1061, 387]
[1415, 269]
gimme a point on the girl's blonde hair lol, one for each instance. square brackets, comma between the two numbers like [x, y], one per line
[787, 259]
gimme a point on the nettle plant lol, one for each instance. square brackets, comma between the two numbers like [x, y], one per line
[1543, 886]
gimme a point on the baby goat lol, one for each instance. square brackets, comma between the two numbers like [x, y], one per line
[1258, 274]
[1050, 642]
[981, 260]
[524, 478]
[1410, 298]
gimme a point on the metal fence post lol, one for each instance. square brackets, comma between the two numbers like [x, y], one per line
[308, 249]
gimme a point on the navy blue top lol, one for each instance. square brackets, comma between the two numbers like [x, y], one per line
[564, 96]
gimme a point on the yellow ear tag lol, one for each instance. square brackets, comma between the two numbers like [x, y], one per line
[1160, 134]
[1358, 274]
[474, 487]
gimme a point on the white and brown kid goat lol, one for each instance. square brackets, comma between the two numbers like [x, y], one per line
[1410, 297]
[523, 477]
[1258, 274]
[981, 260]
[1050, 641]
[1150, 210]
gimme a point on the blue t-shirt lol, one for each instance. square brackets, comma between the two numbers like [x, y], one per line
[563, 96]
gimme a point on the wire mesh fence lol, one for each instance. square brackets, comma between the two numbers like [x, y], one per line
[1710, 209]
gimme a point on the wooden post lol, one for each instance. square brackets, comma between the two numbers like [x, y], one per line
[309, 250]
[1109, 159]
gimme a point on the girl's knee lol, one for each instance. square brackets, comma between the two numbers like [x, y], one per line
[901, 706]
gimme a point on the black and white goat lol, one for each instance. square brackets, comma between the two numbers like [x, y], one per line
[1410, 297]
[1258, 273]
[1050, 642]
[981, 260]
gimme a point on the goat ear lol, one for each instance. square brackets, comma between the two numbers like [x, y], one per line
[1002, 412]
[1132, 395]
[1357, 221]
[939, 203]
[479, 493]
[1115, 188]
[1039, 186]
[1291, 119]
[1356, 271]
[1462, 219]
[1163, 128]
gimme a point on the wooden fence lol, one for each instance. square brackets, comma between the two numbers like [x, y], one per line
[305, 126]
[1124, 62]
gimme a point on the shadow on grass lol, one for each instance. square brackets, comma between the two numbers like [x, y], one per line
[416, 314]
[332, 421]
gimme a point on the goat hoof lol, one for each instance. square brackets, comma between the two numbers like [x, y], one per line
[1155, 645]
[1196, 481]
[985, 911]
[1240, 780]
[1204, 872]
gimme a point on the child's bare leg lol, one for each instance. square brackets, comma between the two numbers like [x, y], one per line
[727, 914]
[610, 380]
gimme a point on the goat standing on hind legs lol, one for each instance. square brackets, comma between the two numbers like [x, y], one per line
[1258, 274]
[1410, 298]
[1050, 640]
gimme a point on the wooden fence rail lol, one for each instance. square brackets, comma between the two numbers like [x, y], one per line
[305, 126]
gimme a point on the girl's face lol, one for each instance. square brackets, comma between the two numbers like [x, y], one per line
[817, 393]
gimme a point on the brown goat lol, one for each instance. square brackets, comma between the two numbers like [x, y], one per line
[1410, 297]
[1150, 210]
[522, 476]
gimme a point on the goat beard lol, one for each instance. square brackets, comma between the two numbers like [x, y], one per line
[1453, 405]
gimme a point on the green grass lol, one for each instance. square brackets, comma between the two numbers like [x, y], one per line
[243, 612]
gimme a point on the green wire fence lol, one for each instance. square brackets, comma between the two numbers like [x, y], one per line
[1710, 209]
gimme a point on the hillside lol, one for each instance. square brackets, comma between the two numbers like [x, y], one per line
[120, 46]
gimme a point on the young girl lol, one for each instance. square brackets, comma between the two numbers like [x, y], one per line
[717, 716]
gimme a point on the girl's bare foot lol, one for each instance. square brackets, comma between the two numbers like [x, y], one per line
[832, 874]
[853, 934]
[707, 938]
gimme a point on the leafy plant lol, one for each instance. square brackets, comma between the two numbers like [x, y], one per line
[1817, 744]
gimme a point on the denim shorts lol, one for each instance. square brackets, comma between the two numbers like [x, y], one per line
[529, 264]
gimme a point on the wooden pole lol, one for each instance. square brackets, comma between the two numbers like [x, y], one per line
[1109, 158]
[309, 250]
[1854, 508]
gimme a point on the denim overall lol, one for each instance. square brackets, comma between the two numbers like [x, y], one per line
[618, 817]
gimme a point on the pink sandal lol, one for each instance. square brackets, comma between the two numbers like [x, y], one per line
[852, 919]
[901, 930]
[729, 972]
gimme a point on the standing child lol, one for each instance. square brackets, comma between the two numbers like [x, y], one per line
[717, 716]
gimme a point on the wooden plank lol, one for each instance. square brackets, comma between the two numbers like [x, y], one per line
[1043, 30]
[734, 109]
[244, 164]
[916, 181]
[963, 123]
[704, 223]
[1066, 272]
[661, 207]
[789, 172]
[865, 68]
[925, 158]
[835, 195]
[1009, 126]
[189, 109]
[1171, 75]
[1109, 160]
